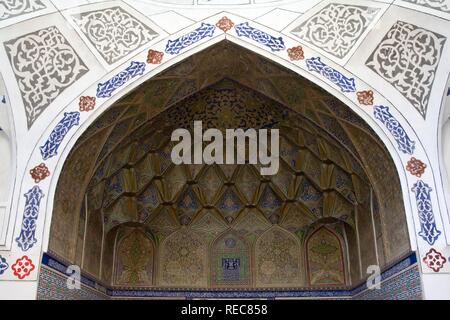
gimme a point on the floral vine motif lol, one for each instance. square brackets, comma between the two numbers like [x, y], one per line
[105, 90]
[50, 148]
[416, 167]
[13, 8]
[296, 53]
[3, 265]
[45, 66]
[434, 260]
[23, 267]
[26, 238]
[428, 229]
[346, 84]
[114, 32]
[405, 144]
[365, 97]
[39, 173]
[336, 28]
[175, 46]
[245, 30]
[154, 57]
[441, 5]
[225, 24]
[413, 70]
[87, 103]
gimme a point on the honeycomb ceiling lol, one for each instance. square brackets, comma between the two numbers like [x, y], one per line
[321, 169]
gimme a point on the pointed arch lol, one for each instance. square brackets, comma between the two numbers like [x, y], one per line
[277, 259]
[183, 260]
[230, 259]
[134, 259]
[276, 58]
[103, 104]
[325, 262]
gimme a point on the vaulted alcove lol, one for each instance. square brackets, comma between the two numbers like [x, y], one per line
[131, 218]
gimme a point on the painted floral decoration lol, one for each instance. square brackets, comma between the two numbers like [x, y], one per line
[3, 265]
[365, 97]
[416, 167]
[296, 53]
[434, 260]
[225, 24]
[23, 267]
[87, 103]
[39, 173]
[154, 57]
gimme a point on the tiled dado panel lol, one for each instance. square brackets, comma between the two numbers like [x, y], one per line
[399, 282]
[52, 286]
[405, 285]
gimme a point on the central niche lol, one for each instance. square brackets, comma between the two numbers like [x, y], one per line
[144, 222]
[227, 225]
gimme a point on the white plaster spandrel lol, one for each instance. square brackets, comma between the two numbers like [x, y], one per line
[8, 155]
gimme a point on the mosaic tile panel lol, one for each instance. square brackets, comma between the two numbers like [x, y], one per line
[407, 58]
[114, 32]
[400, 282]
[403, 286]
[45, 64]
[336, 28]
[13, 8]
[53, 286]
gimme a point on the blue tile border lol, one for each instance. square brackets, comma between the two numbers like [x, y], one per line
[27, 236]
[53, 263]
